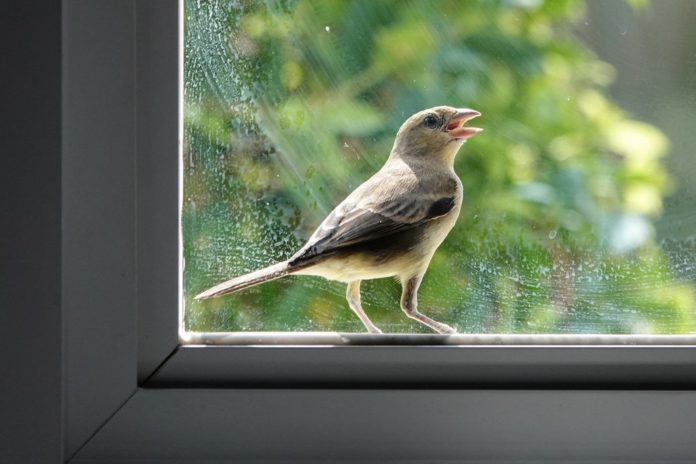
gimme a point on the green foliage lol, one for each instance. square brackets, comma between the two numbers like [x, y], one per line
[291, 105]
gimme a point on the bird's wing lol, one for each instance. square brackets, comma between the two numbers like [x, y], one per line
[372, 213]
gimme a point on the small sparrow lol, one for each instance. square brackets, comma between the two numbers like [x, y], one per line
[390, 225]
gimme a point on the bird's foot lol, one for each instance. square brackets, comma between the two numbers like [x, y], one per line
[438, 327]
[444, 329]
[373, 329]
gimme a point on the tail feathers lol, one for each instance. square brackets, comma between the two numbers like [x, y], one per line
[273, 272]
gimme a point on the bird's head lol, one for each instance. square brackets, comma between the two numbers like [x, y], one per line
[434, 134]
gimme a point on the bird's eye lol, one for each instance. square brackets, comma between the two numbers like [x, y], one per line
[430, 121]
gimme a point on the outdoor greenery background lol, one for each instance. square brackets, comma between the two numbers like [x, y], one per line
[289, 105]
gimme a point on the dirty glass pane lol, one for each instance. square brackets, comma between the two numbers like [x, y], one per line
[579, 201]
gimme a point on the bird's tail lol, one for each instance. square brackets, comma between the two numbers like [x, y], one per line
[273, 272]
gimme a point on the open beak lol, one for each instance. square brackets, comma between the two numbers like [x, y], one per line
[455, 127]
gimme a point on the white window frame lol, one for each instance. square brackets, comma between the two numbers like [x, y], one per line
[132, 391]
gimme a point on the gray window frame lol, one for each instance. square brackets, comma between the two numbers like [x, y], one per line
[133, 393]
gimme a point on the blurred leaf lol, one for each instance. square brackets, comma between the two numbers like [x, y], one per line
[350, 118]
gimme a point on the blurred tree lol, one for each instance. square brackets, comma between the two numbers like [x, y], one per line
[289, 105]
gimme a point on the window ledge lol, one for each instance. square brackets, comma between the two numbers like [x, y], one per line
[369, 361]
[338, 338]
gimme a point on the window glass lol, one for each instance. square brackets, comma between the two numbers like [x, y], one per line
[579, 201]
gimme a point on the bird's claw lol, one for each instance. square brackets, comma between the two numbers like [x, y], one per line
[445, 329]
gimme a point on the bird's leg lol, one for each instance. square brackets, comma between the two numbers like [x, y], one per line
[409, 304]
[353, 297]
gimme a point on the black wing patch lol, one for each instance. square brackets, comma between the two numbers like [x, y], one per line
[441, 207]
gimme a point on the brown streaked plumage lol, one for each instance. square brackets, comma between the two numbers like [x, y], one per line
[390, 225]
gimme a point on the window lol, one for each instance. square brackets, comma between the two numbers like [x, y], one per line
[576, 218]
[120, 282]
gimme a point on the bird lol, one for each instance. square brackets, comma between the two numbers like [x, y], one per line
[389, 226]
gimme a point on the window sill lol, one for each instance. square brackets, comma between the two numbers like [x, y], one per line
[335, 360]
[338, 338]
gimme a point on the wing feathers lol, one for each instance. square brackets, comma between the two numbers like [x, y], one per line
[390, 202]
[363, 225]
